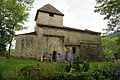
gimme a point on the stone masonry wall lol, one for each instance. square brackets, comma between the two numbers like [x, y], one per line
[47, 40]
[26, 46]
[92, 52]
[45, 19]
[70, 39]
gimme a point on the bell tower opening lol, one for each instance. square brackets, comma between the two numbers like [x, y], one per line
[51, 14]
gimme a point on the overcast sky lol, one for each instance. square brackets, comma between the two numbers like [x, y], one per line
[78, 14]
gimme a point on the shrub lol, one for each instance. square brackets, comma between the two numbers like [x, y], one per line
[102, 73]
[78, 65]
[70, 76]
[68, 67]
[28, 72]
[85, 67]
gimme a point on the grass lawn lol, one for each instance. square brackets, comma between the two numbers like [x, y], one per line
[15, 63]
[11, 67]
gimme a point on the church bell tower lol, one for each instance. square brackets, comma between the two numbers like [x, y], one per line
[49, 16]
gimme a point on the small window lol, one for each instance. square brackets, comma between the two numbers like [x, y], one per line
[51, 14]
[74, 50]
[22, 44]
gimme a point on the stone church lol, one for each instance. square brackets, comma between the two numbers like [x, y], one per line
[51, 41]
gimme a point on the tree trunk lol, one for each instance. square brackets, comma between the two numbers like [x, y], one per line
[10, 42]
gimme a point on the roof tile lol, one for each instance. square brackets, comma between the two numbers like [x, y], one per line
[51, 9]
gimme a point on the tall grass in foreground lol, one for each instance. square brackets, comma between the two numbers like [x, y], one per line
[10, 69]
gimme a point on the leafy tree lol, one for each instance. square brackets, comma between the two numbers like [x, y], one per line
[118, 51]
[3, 40]
[109, 47]
[111, 10]
[118, 40]
[13, 13]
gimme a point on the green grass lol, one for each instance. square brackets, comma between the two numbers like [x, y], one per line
[11, 67]
[14, 63]
[100, 64]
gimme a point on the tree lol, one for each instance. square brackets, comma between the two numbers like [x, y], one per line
[110, 47]
[118, 51]
[111, 10]
[3, 39]
[13, 13]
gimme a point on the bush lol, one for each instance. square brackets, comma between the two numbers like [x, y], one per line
[97, 73]
[77, 65]
[68, 67]
[28, 73]
[70, 76]
[85, 67]
[105, 73]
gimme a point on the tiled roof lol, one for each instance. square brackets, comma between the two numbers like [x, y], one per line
[49, 9]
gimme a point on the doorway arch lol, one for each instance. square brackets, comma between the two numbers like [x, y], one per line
[54, 56]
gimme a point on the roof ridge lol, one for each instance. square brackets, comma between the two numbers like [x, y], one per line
[49, 8]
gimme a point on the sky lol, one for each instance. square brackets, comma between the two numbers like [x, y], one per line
[77, 14]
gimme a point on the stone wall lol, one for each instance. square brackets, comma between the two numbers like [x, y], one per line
[53, 44]
[67, 39]
[72, 37]
[26, 46]
[64, 42]
[91, 51]
[45, 19]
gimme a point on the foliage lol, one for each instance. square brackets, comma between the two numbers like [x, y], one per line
[111, 10]
[28, 73]
[12, 52]
[109, 47]
[12, 15]
[70, 76]
[118, 43]
[78, 65]
[118, 40]
[85, 67]
[26, 69]
[13, 67]
[102, 73]
[9, 68]
[100, 64]
[2, 47]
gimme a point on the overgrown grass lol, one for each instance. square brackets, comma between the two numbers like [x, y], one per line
[15, 63]
[10, 68]
[101, 64]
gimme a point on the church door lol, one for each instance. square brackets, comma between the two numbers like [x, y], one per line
[54, 56]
